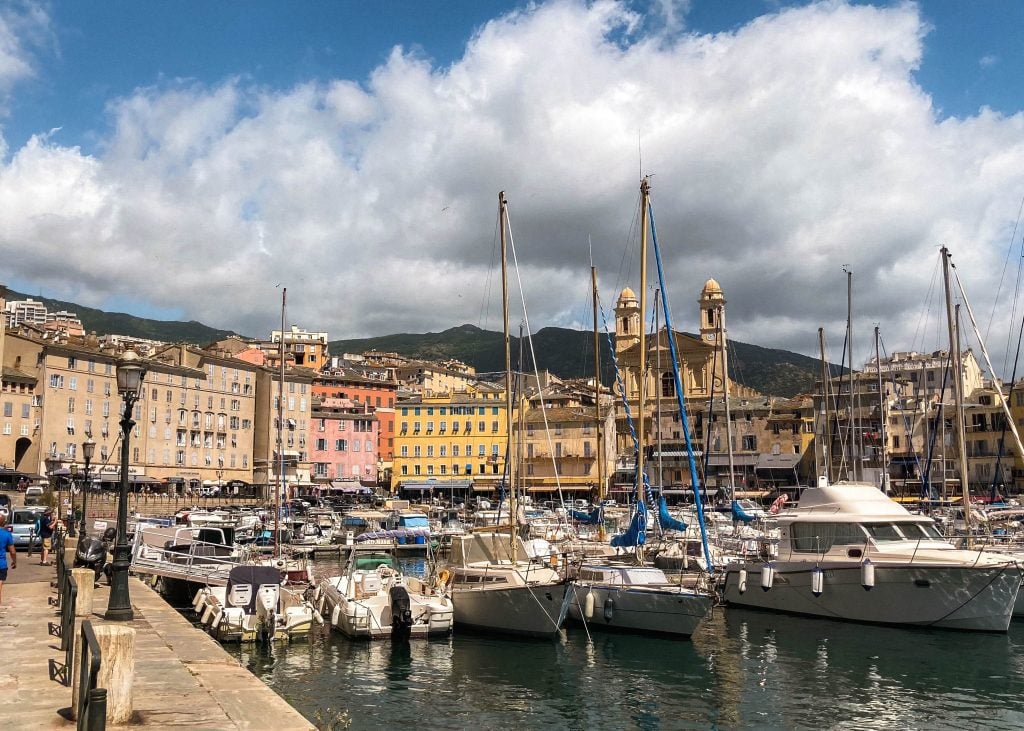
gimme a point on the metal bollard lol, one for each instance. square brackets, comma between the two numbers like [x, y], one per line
[97, 720]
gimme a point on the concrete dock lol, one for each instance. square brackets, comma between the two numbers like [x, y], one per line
[183, 678]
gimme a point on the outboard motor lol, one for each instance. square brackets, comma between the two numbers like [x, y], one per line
[401, 613]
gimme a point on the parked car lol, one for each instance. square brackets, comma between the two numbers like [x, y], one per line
[5, 505]
[33, 495]
[23, 527]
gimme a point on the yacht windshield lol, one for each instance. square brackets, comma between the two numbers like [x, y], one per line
[883, 531]
[919, 531]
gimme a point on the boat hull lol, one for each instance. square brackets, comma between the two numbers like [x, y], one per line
[978, 598]
[532, 610]
[636, 609]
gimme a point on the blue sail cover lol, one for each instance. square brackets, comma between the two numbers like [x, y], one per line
[591, 518]
[666, 520]
[636, 534]
[738, 513]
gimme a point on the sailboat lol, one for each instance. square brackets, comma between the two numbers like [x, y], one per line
[630, 595]
[494, 584]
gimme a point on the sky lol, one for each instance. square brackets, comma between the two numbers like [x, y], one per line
[188, 160]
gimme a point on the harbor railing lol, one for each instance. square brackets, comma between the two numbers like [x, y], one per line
[92, 701]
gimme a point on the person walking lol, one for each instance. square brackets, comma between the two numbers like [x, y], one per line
[6, 549]
[46, 527]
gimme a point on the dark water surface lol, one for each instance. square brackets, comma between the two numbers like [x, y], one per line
[742, 670]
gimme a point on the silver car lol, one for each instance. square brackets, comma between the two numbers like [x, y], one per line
[23, 526]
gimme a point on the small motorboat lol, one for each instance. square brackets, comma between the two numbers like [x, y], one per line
[253, 607]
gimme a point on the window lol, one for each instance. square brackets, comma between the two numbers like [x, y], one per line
[56, 381]
[820, 537]
[481, 450]
[482, 425]
[430, 450]
[321, 444]
[73, 383]
[749, 442]
[405, 450]
[455, 450]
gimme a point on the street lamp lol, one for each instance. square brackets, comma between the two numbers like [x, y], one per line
[71, 519]
[130, 373]
[88, 450]
[52, 465]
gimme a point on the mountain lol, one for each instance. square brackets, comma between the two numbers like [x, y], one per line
[566, 353]
[569, 354]
[120, 323]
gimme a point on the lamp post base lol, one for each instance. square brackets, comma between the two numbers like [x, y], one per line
[119, 606]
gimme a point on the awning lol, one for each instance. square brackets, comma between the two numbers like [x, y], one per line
[175, 480]
[739, 460]
[754, 494]
[438, 485]
[777, 462]
[711, 492]
[555, 488]
[142, 480]
[676, 454]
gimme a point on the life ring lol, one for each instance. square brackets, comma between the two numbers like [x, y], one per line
[444, 577]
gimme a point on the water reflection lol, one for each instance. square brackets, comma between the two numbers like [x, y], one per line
[742, 669]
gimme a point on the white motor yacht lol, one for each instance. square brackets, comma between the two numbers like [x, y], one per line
[846, 551]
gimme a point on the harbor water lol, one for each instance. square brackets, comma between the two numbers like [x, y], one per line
[742, 670]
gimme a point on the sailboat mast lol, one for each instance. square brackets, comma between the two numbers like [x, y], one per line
[826, 381]
[513, 498]
[882, 417]
[958, 391]
[851, 469]
[725, 395]
[280, 426]
[657, 389]
[642, 366]
[597, 393]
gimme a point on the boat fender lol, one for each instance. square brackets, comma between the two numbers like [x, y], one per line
[767, 576]
[336, 614]
[200, 595]
[817, 581]
[609, 609]
[216, 619]
[444, 577]
[867, 574]
[588, 605]
[742, 583]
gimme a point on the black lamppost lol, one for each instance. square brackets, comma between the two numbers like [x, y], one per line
[130, 373]
[53, 464]
[88, 450]
[71, 492]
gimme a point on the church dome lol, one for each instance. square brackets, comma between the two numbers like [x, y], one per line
[627, 294]
[711, 287]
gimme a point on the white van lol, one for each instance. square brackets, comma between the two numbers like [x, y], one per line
[33, 495]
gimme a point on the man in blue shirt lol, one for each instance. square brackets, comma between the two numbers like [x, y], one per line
[6, 548]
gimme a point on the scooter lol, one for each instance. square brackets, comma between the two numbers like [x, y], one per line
[92, 552]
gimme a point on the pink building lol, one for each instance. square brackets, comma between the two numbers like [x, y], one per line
[343, 441]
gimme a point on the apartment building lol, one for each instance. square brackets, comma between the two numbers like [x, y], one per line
[457, 435]
[343, 441]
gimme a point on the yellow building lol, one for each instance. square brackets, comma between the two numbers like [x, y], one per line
[455, 436]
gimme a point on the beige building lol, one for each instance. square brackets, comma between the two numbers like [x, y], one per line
[288, 466]
[194, 418]
[560, 449]
[436, 378]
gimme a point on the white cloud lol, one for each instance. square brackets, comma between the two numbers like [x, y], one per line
[780, 152]
[24, 26]
[988, 61]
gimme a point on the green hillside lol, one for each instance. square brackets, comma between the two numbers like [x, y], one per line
[120, 323]
[569, 354]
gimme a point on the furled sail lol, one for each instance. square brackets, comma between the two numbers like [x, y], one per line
[666, 520]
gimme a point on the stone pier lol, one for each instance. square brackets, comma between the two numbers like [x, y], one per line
[182, 677]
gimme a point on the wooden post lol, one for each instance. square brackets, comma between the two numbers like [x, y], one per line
[117, 643]
[86, 581]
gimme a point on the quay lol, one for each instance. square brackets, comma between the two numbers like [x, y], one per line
[183, 678]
